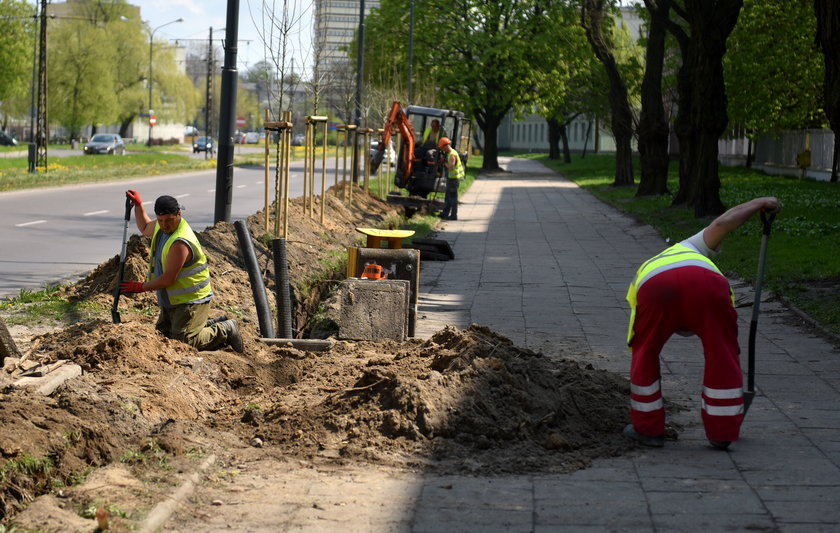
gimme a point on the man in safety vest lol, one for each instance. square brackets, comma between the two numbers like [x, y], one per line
[178, 271]
[454, 175]
[432, 134]
[682, 291]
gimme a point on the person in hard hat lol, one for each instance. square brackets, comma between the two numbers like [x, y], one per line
[681, 291]
[179, 273]
[454, 175]
[433, 134]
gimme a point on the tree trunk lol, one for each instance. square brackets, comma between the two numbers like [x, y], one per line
[653, 128]
[489, 123]
[592, 15]
[828, 37]
[706, 117]
[125, 124]
[564, 135]
[553, 138]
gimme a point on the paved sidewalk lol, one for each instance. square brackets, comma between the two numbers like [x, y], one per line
[546, 264]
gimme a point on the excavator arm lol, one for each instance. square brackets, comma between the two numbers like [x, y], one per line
[399, 120]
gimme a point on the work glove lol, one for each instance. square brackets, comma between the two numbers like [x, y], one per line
[134, 196]
[131, 286]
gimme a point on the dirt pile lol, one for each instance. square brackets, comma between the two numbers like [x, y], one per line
[146, 406]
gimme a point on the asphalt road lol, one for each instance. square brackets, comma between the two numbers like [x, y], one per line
[59, 234]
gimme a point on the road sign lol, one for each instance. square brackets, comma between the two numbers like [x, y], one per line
[152, 120]
[240, 122]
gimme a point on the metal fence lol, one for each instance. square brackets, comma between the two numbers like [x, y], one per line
[777, 153]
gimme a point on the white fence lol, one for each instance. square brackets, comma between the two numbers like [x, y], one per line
[777, 153]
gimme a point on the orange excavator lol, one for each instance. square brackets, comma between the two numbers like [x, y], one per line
[420, 163]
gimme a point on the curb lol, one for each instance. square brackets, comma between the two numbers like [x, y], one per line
[161, 512]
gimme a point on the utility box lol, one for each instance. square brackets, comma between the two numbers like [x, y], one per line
[373, 309]
[396, 264]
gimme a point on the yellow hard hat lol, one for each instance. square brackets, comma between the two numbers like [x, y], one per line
[443, 142]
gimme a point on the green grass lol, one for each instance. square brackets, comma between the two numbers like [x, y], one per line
[804, 240]
[45, 306]
[76, 169]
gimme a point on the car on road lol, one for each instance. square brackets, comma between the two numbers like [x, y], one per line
[204, 144]
[105, 143]
[7, 140]
[390, 155]
[252, 137]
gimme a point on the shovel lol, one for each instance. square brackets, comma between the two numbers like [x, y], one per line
[749, 394]
[115, 313]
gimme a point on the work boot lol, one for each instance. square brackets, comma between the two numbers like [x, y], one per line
[720, 444]
[211, 321]
[234, 338]
[647, 440]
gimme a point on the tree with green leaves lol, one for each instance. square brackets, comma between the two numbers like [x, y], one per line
[596, 18]
[828, 38]
[774, 74]
[16, 42]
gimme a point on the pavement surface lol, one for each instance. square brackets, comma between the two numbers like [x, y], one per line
[545, 263]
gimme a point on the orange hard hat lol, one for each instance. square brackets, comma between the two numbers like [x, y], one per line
[443, 142]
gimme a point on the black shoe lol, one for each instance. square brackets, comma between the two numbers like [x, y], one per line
[720, 444]
[216, 320]
[234, 338]
[647, 440]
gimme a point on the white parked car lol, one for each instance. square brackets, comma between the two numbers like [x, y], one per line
[389, 155]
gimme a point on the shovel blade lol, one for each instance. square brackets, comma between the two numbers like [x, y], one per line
[748, 398]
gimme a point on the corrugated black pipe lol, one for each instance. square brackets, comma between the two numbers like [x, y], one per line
[257, 284]
[283, 296]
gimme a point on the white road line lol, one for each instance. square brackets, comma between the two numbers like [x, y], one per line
[211, 190]
[241, 186]
[96, 213]
[183, 195]
[30, 223]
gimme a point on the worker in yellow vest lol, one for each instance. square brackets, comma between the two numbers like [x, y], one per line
[178, 271]
[454, 175]
[682, 291]
[432, 134]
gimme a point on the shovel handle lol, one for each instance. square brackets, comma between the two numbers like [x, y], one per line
[766, 221]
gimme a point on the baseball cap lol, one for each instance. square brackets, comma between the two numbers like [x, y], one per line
[166, 205]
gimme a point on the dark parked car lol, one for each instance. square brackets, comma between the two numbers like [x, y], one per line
[204, 144]
[105, 143]
[298, 139]
[7, 140]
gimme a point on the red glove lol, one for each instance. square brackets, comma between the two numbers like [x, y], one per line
[131, 286]
[134, 196]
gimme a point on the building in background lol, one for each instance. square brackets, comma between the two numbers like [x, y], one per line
[335, 24]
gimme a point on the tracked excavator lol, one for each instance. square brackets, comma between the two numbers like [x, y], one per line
[420, 162]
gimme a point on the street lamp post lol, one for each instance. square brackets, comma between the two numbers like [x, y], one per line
[151, 49]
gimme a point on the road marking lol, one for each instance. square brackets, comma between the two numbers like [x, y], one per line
[30, 223]
[211, 190]
[241, 186]
[260, 182]
[96, 213]
[183, 195]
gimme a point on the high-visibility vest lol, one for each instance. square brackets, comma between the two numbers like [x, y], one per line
[428, 131]
[456, 173]
[678, 255]
[193, 282]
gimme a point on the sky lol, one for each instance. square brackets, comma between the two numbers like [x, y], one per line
[254, 28]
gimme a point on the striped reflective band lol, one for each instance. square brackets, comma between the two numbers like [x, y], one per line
[646, 391]
[722, 410]
[723, 394]
[646, 407]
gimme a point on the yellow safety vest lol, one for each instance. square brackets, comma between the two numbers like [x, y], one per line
[193, 281]
[676, 256]
[428, 132]
[456, 173]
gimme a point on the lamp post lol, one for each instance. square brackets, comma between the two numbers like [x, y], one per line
[151, 49]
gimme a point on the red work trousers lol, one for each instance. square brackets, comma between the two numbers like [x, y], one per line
[694, 299]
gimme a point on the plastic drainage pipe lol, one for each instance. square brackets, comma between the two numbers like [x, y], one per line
[257, 285]
[284, 299]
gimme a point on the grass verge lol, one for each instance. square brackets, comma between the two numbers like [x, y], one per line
[801, 258]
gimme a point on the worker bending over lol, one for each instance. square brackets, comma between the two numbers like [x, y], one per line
[682, 291]
[178, 271]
